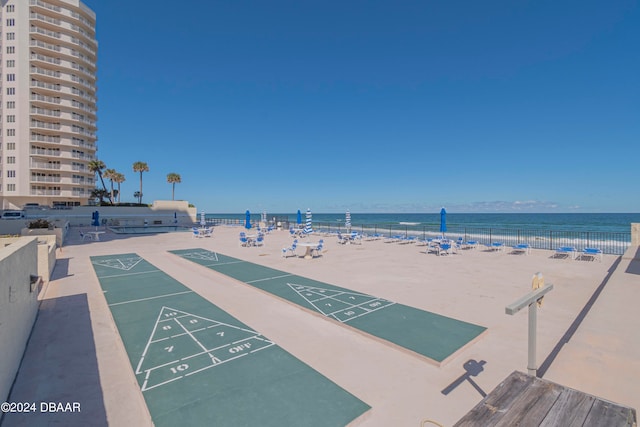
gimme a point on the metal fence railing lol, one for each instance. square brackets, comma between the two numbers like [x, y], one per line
[609, 242]
[615, 243]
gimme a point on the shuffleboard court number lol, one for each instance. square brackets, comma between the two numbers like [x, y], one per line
[375, 304]
[169, 349]
[166, 327]
[180, 368]
[170, 314]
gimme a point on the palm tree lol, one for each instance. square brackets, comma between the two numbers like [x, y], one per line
[173, 178]
[97, 166]
[99, 193]
[110, 174]
[140, 167]
[119, 179]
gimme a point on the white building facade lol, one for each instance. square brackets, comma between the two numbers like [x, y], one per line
[48, 55]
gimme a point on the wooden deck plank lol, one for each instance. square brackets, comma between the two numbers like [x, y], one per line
[532, 406]
[610, 414]
[570, 410]
[493, 407]
[527, 401]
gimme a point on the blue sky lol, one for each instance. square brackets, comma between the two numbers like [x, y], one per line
[374, 106]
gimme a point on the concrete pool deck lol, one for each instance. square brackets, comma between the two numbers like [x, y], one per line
[75, 353]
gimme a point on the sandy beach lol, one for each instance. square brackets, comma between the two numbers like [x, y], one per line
[75, 353]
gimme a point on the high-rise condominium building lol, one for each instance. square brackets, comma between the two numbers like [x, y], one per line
[47, 102]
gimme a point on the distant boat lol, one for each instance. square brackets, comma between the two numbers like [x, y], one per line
[409, 223]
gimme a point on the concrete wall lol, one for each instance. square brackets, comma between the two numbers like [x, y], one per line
[18, 306]
[161, 212]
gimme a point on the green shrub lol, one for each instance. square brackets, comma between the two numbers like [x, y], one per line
[40, 223]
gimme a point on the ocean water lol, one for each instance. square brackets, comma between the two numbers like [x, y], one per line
[609, 232]
[587, 222]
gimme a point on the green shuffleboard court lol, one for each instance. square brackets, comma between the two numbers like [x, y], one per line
[428, 334]
[197, 365]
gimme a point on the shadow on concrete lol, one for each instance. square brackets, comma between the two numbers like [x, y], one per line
[59, 366]
[61, 269]
[577, 321]
[634, 265]
[472, 368]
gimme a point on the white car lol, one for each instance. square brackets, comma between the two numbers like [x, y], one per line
[13, 215]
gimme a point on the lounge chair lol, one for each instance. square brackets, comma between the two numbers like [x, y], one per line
[208, 232]
[259, 240]
[316, 251]
[393, 239]
[244, 240]
[566, 252]
[445, 249]
[86, 236]
[291, 249]
[196, 232]
[432, 247]
[522, 248]
[356, 238]
[495, 246]
[471, 244]
[592, 253]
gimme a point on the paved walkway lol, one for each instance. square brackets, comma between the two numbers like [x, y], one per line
[75, 353]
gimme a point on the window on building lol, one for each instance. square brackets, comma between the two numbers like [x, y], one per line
[11, 160]
[11, 119]
[11, 49]
[11, 36]
[11, 104]
[11, 77]
[11, 187]
[11, 132]
[11, 63]
[11, 22]
[11, 91]
[11, 8]
[11, 174]
[11, 145]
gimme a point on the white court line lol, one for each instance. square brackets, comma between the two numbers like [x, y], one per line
[144, 353]
[359, 306]
[224, 263]
[128, 274]
[261, 348]
[192, 337]
[269, 278]
[363, 314]
[150, 298]
[145, 388]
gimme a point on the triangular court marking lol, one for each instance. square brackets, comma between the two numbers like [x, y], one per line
[125, 264]
[182, 344]
[342, 306]
[204, 255]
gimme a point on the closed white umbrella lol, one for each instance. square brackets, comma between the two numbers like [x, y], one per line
[307, 226]
[347, 221]
[203, 222]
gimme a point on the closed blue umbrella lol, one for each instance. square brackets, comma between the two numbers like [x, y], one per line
[443, 221]
[299, 218]
[307, 226]
[96, 219]
[247, 221]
